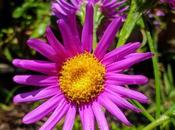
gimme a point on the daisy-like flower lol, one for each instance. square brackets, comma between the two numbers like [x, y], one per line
[79, 80]
[109, 8]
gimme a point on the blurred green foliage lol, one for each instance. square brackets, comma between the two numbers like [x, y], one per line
[28, 19]
[20, 20]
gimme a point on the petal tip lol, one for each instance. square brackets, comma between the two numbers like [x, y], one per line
[145, 80]
[30, 41]
[15, 101]
[25, 120]
[15, 62]
[128, 124]
[15, 78]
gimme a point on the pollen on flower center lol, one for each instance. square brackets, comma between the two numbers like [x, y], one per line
[82, 78]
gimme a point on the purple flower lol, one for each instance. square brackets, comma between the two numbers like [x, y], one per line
[112, 9]
[170, 2]
[77, 79]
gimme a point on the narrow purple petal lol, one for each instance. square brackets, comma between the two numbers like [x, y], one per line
[74, 28]
[105, 1]
[43, 48]
[36, 80]
[119, 53]
[68, 8]
[76, 3]
[123, 9]
[127, 79]
[107, 38]
[87, 33]
[132, 55]
[114, 82]
[88, 118]
[129, 93]
[100, 116]
[56, 116]
[109, 4]
[58, 10]
[36, 95]
[119, 101]
[113, 109]
[81, 113]
[112, 5]
[43, 110]
[70, 117]
[70, 41]
[67, 5]
[56, 45]
[128, 62]
[37, 65]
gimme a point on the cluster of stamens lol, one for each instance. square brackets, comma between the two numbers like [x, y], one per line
[82, 78]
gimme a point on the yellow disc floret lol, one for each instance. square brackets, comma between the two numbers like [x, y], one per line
[82, 78]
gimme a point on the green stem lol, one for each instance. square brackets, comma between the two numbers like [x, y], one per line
[96, 17]
[144, 111]
[156, 72]
[165, 118]
[132, 18]
[157, 122]
[152, 47]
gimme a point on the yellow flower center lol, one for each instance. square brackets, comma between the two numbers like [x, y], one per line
[82, 78]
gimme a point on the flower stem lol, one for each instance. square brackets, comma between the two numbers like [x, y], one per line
[155, 62]
[157, 122]
[165, 118]
[156, 73]
[132, 18]
[144, 111]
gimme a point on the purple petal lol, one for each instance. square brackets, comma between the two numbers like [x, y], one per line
[113, 109]
[129, 93]
[119, 53]
[100, 116]
[58, 10]
[68, 8]
[128, 62]
[76, 3]
[43, 48]
[119, 101]
[67, 5]
[56, 45]
[127, 79]
[107, 38]
[114, 82]
[123, 9]
[87, 33]
[56, 116]
[70, 117]
[36, 95]
[105, 1]
[81, 113]
[37, 65]
[72, 21]
[36, 80]
[112, 5]
[43, 110]
[88, 118]
[70, 41]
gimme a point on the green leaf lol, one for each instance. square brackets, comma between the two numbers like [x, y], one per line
[162, 119]
[18, 12]
[132, 18]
